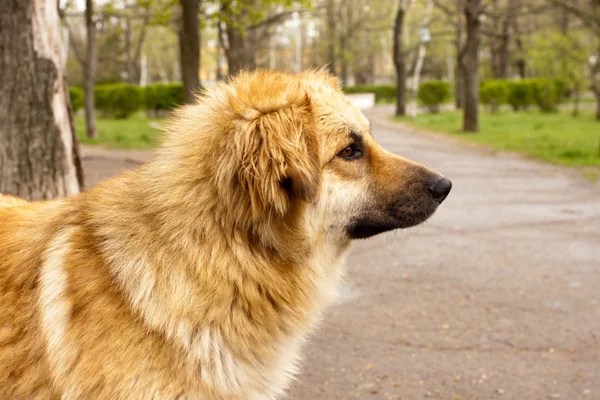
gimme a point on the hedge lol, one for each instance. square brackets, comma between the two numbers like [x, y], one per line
[520, 94]
[548, 93]
[118, 100]
[383, 93]
[494, 93]
[433, 93]
[162, 97]
[77, 95]
[544, 92]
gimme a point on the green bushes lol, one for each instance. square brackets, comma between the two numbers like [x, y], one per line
[76, 94]
[548, 93]
[162, 97]
[118, 100]
[520, 94]
[383, 93]
[544, 92]
[433, 93]
[494, 93]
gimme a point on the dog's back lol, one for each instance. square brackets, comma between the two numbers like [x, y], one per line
[9, 201]
[23, 231]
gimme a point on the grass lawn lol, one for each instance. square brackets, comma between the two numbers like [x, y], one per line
[131, 133]
[557, 138]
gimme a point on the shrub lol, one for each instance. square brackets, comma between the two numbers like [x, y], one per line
[162, 97]
[494, 93]
[547, 93]
[562, 88]
[383, 93]
[77, 95]
[118, 100]
[520, 94]
[433, 93]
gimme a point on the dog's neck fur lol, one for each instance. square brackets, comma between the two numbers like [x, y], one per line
[210, 294]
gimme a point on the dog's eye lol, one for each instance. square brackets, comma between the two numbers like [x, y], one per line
[351, 152]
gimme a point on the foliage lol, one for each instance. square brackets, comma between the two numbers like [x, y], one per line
[118, 100]
[162, 97]
[547, 93]
[433, 93]
[494, 93]
[520, 94]
[135, 132]
[383, 93]
[77, 96]
[557, 138]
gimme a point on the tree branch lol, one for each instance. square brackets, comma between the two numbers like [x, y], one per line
[76, 51]
[445, 9]
[588, 17]
[138, 49]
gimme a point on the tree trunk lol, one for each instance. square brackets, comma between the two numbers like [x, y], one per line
[419, 65]
[399, 61]
[521, 63]
[38, 157]
[597, 95]
[346, 9]
[239, 55]
[504, 48]
[595, 78]
[237, 39]
[128, 52]
[471, 64]
[459, 80]
[189, 48]
[138, 55]
[576, 97]
[89, 71]
[343, 61]
[331, 35]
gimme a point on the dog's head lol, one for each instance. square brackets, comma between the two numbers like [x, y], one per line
[290, 150]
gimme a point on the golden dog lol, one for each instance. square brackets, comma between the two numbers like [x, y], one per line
[200, 274]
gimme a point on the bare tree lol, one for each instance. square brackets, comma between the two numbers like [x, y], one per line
[38, 147]
[189, 48]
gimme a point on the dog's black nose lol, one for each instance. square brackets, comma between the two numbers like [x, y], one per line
[440, 189]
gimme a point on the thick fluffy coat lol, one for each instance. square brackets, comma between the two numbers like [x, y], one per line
[200, 274]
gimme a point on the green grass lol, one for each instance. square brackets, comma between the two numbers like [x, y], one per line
[557, 138]
[131, 133]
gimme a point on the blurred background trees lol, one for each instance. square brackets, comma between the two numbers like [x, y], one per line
[470, 42]
[144, 42]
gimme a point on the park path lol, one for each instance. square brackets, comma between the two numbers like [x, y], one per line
[497, 296]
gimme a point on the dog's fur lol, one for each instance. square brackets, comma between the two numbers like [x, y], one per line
[200, 274]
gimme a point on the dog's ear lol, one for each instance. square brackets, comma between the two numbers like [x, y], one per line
[279, 156]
